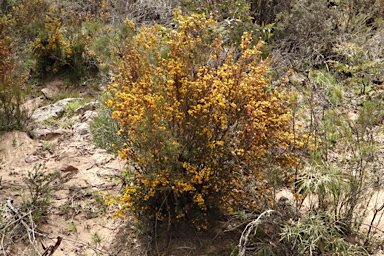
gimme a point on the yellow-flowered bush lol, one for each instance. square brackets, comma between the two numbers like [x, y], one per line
[12, 84]
[61, 47]
[202, 121]
[51, 47]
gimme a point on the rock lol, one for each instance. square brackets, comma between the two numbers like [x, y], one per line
[69, 170]
[88, 116]
[89, 106]
[48, 134]
[32, 158]
[352, 116]
[82, 128]
[55, 110]
[66, 154]
[52, 88]
[103, 159]
[49, 92]
[30, 105]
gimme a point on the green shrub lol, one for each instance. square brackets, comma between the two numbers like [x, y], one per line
[306, 33]
[236, 18]
[318, 235]
[105, 130]
[40, 187]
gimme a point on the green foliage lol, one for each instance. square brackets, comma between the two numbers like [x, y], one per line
[306, 32]
[265, 11]
[339, 101]
[40, 186]
[72, 227]
[27, 17]
[342, 173]
[359, 63]
[96, 238]
[72, 106]
[104, 131]
[189, 133]
[3, 210]
[99, 36]
[55, 39]
[318, 234]
[48, 146]
[331, 87]
[99, 202]
[235, 18]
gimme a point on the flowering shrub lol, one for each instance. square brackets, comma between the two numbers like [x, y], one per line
[60, 46]
[12, 84]
[50, 47]
[201, 120]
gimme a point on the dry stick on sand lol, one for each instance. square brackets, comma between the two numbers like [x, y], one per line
[247, 231]
[373, 219]
[51, 249]
[32, 233]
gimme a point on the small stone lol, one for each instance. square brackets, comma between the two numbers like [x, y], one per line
[352, 116]
[49, 93]
[69, 168]
[87, 107]
[82, 128]
[66, 154]
[88, 116]
[31, 159]
[32, 104]
[47, 134]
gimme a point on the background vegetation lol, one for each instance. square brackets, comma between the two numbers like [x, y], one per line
[212, 120]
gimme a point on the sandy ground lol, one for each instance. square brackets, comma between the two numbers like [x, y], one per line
[77, 212]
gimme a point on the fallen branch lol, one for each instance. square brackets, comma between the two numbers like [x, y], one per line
[30, 231]
[247, 231]
[52, 248]
[373, 219]
[99, 186]
[77, 242]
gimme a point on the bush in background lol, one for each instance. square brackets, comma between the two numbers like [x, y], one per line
[307, 32]
[61, 48]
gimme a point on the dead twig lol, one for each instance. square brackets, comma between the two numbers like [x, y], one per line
[52, 248]
[247, 231]
[373, 219]
[26, 220]
[30, 231]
